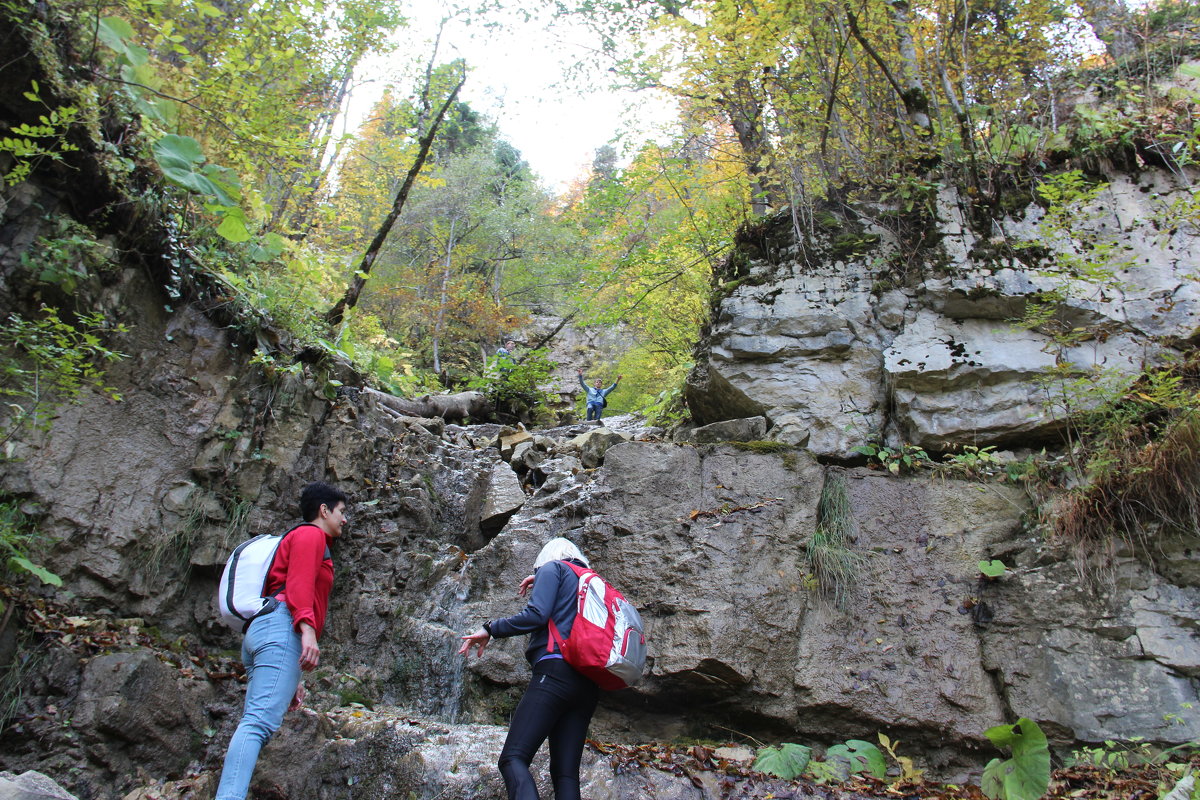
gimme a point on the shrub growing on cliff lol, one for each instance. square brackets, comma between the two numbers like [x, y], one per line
[904, 459]
[48, 361]
[18, 540]
[1159, 483]
[1139, 460]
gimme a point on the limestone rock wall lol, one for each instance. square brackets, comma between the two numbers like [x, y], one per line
[714, 543]
[838, 344]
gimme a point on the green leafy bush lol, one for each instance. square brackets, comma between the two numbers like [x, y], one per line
[515, 385]
[667, 408]
[1114, 755]
[29, 144]
[790, 761]
[48, 361]
[183, 163]
[906, 458]
[65, 258]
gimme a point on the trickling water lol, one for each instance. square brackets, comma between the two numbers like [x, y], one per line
[442, 687]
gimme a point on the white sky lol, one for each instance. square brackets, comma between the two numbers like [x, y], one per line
[514, 81]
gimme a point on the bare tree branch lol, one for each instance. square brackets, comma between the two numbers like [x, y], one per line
[335, 315]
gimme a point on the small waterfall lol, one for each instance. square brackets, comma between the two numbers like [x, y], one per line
[439, 691]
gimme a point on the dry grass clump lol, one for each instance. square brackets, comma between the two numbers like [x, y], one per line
[1151, 479]
[835, 566]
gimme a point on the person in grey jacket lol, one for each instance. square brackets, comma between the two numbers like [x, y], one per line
[596, 397]
[559, 702]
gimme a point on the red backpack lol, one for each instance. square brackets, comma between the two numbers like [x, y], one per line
[608, 641]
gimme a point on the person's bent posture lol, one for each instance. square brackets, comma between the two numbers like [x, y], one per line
[559, 702]
[282, 643]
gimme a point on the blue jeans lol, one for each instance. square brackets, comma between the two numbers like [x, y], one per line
[271, 653]
[594, 410]
[558, 705]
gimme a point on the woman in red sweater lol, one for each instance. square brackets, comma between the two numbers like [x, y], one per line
[283, 642]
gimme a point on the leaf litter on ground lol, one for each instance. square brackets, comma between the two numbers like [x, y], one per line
[735, 780]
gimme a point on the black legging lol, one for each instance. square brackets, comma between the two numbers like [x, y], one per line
[558, 705]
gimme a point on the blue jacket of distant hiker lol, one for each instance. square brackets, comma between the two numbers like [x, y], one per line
[595, 397]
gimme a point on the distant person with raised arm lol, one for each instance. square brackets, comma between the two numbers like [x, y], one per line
[597, 398]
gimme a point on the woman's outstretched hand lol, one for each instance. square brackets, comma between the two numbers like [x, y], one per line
[479, 638]
[526, 582]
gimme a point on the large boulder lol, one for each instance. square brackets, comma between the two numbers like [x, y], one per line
[503, 497]
[508, 439]
[137, 712]
[31, 785]
[457, 407]
[836, 350]
[752, 429]
[592, 445]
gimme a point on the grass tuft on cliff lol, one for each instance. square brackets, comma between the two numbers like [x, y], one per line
[833, 564]
[1140, 455]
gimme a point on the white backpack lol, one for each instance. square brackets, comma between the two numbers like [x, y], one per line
[244, 580]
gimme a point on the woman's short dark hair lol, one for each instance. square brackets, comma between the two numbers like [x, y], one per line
[317, 494]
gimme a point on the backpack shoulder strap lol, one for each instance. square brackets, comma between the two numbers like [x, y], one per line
[578, 570]
[275, 555]
[555, 638]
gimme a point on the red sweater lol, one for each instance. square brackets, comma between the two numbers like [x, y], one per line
[303, 571]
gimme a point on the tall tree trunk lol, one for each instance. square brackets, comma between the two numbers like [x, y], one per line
[335, 315]
[908, 86]
[439, 323]
[916, 99]
[745, 111]
[300, 212]
[301, 222]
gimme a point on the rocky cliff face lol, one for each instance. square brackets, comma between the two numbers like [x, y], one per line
[713, 542]
[123, 685]
[840, 331]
